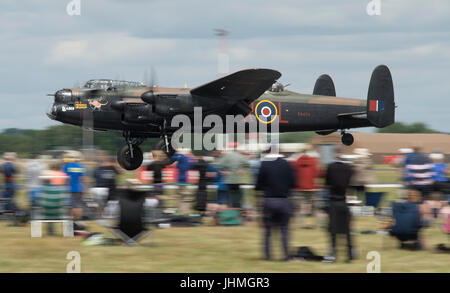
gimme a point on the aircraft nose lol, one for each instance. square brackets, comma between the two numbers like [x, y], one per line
[51, 111]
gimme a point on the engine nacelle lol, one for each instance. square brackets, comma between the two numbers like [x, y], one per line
[139, 113]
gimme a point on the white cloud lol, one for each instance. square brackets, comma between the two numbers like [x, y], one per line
[98, 49]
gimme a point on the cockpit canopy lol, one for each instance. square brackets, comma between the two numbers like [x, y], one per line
[278, 87]
[110, 83]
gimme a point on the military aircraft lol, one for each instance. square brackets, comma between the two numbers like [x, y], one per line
[140, 111]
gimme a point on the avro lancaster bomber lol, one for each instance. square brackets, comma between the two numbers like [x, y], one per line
[140, 111]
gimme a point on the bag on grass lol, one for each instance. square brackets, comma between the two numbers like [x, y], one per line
[306, 253]
[229, 217]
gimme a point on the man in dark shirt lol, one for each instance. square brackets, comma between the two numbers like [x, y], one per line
[205, 174]
[156, 166]
[105, 176]
[276, 179]
[338, 179]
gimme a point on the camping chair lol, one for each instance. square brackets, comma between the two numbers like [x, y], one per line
[3, 202]
[52, 207]
[372, 202]
[373, 199]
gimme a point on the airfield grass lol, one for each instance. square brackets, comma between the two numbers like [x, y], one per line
[214, 249]
[210, 248]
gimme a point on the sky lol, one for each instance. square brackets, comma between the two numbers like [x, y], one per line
[45, 49]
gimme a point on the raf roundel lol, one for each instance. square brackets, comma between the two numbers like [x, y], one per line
[266, 111]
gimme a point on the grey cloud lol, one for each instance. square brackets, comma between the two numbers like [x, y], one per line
[44, 49]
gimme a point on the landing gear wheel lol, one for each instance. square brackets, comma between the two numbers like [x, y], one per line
[128, 161]
[161, 145]
[347, 139]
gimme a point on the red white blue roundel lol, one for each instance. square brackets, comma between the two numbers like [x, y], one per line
[266, 111]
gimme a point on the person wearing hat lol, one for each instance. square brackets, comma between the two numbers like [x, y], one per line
[337, 179]
[276, 179]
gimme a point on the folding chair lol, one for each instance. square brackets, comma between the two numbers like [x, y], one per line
[131, 227]
[52, 207]
[373, 199]
[130, 241]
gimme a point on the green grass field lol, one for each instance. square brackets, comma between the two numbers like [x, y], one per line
[217, 249]
[212, 249]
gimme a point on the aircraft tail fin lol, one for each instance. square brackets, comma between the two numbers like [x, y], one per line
[324, 86]
[380, 98]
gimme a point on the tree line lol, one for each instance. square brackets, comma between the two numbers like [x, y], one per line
[26, 142]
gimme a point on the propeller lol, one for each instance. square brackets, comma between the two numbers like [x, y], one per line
[150, 78]
[149, 81]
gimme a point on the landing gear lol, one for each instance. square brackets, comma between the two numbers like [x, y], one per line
[166, 148]
[347, 139]
[164, 144]
[130, 156]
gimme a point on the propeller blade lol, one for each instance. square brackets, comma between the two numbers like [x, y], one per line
[145, 78]
[153, 79]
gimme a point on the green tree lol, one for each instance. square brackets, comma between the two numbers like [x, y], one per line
[399, 127]
[294, 137]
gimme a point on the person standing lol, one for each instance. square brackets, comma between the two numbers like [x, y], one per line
[361, 173]
[233, 165]
[105, 181]
[419, 172]
[9, 171]
[33, 171]
[439, 171]
[276, 179]
[184, 162]
[52, 200]
[337, 179]
[306, 169]
[205, 174]
[160, 161]
[76, 172]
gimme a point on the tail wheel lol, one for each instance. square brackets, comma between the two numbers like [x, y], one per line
[127, 160]
[347, 139]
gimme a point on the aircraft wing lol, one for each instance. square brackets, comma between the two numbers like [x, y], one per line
[242, 86]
